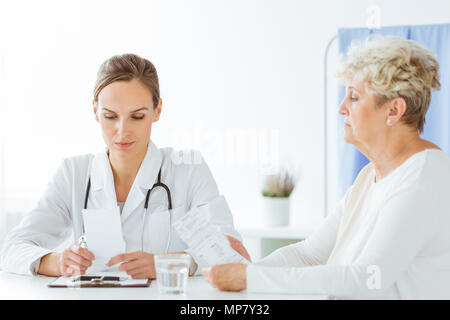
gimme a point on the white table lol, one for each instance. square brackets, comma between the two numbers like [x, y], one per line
[13, 286]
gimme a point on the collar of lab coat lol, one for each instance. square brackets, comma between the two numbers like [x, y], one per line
[102, 177]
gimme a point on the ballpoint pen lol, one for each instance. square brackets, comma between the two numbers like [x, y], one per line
[82, 241]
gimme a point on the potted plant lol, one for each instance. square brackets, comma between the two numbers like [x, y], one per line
[276, 191]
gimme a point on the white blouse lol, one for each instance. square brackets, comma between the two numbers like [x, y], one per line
[395, 245]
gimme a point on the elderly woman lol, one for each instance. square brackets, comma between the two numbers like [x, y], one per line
[389, 236]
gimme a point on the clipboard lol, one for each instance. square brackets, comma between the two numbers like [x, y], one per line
[98, 281]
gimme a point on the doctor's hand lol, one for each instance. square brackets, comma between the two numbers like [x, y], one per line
[75, 260]
[227, 277]
[239, 247]
[138, 264]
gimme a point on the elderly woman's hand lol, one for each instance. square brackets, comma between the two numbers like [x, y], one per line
[227, 277]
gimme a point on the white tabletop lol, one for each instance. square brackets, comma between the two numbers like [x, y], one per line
[13, 286]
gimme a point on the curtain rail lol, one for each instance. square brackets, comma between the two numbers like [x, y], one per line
[325, 125]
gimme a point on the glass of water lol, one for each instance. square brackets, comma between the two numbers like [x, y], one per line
[172, 271]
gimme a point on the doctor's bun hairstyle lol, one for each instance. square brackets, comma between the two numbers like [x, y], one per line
[393, 67]
[126, 67]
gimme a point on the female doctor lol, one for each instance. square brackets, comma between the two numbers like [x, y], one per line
[131, 173]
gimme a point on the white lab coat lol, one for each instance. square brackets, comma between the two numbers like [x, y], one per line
[58, 212]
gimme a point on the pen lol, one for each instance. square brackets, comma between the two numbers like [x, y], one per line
[82, 242]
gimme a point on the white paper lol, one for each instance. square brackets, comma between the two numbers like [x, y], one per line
[207, 245]
[103, 232]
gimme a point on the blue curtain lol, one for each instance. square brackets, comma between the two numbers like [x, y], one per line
[433, 37]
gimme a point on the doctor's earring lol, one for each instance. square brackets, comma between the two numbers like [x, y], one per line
[389, 122]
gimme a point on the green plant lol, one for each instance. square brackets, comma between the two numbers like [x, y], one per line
[279, 185]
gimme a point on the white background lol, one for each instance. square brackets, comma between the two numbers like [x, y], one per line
[226, 67]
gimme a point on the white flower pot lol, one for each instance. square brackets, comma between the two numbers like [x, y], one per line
[276, 211]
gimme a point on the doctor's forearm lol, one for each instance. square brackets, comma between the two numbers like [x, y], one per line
[49, 265]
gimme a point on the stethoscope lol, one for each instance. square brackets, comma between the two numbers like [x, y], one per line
[82, 240]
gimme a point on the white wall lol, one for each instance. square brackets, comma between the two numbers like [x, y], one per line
[225, 67]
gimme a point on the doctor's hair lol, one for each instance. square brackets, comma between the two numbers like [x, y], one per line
[392, 67]
[126, 67]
